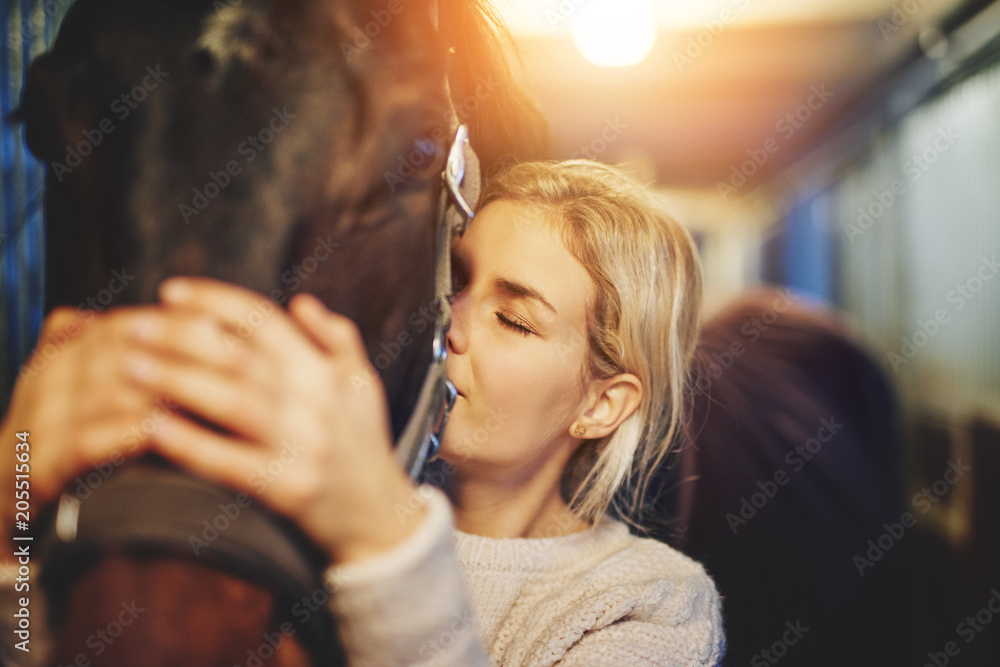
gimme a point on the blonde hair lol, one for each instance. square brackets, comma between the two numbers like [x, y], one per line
[643, 320]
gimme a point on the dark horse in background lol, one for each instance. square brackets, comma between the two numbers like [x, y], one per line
[285, 146]
[794, 463]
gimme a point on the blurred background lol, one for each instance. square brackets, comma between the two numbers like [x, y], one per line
[848, 150]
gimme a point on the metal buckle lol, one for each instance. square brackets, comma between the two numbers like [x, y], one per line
[454, 173]
[444, 397]
[421, 441]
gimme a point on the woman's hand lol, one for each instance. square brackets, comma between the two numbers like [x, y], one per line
[77, 403]
[301, 416]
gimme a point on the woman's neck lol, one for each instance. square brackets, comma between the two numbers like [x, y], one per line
[532, 507]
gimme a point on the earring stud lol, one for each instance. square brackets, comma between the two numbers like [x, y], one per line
[579, 430]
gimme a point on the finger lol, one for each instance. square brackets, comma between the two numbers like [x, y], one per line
[332, 332]
[102, 441]
[218, 458]
[216, 396]
[251, 317]
[192, 337]
[59, 319]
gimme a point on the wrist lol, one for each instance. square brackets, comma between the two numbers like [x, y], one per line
[387, 520]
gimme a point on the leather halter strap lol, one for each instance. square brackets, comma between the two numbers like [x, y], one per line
[421, 438]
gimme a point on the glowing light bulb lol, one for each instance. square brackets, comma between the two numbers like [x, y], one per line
[614, 33]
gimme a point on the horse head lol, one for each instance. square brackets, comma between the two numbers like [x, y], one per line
[261, 143]
[285, 146]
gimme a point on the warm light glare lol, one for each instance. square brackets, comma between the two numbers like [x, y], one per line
[614, 33]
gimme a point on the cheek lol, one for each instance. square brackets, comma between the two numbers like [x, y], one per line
[536, 392]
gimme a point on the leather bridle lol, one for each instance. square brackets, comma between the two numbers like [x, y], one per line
[421, 438]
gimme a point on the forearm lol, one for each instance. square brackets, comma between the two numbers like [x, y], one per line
[409, 606]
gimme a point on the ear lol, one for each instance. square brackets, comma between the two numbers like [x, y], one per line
[610, 402]
[51, 100]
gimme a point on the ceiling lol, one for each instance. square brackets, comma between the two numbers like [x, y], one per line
[711, 102]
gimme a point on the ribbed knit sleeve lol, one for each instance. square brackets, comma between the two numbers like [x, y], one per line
[409, 606]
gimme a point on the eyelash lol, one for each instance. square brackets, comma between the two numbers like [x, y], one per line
[514, 326]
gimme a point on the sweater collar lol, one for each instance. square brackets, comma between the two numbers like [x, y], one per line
[525, 555]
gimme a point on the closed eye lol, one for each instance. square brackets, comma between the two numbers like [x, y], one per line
[513, 324]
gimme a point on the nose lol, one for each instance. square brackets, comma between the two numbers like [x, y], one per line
[458, 338]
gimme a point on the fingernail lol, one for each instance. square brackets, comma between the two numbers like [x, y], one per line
[176, 290]
[142, 367]
[317, 306]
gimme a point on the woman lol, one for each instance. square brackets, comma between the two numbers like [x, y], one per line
[574, 319]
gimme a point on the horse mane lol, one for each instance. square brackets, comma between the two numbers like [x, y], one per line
[505, 124]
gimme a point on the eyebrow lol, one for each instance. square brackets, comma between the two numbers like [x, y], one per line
[520, 289]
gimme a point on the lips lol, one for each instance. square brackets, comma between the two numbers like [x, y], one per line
[458, 389]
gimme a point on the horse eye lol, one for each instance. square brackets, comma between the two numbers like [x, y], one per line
[426, 146]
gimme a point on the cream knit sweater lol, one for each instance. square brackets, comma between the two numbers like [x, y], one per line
[597, 597]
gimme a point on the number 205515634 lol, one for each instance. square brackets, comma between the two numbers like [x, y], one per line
[22, 483]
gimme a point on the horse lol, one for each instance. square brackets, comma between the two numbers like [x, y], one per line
[793, 462]
[283, 146]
